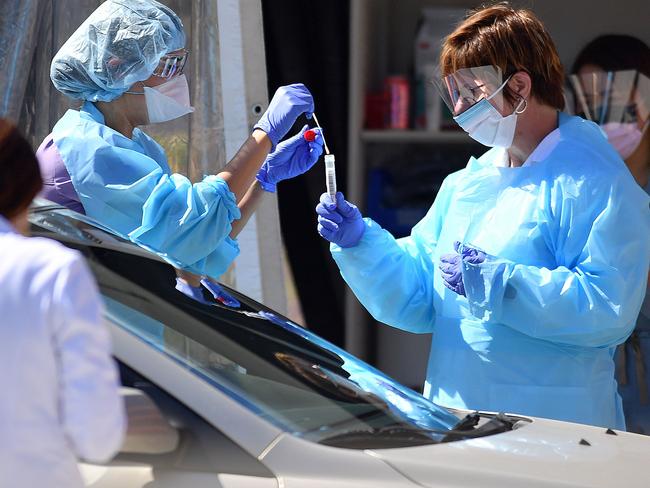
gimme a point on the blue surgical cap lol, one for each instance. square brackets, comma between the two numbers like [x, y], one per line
[118, 45]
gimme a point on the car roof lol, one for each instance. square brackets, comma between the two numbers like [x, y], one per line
[76, 230]
[65, 225]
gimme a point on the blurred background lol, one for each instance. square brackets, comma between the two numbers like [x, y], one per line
[368, 64]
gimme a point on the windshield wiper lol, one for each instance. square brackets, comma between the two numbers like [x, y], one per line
[468, 422]
[468, 427]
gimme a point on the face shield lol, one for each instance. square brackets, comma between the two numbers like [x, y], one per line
[466, 87]
[612, 96]
[618, 101]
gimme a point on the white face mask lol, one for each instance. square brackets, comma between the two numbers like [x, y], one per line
[486, 125]
[625, 137]
[168, 101]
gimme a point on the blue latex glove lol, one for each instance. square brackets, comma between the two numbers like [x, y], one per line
[194, 292]
[219, 294]
[291, 158]
[340, 222]
[451, 266]
[288, 103]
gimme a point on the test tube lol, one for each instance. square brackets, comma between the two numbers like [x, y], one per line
[330, 176]
[330, 167]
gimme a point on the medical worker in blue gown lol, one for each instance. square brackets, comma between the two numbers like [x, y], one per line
[611, 86]
[530, 267]
[125, 62]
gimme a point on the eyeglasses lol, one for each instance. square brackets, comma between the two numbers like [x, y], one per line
[171, 65]
[468, 86]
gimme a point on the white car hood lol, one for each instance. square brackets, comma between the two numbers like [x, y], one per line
[543, 453]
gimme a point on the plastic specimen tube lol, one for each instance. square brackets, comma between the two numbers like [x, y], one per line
[330, 176]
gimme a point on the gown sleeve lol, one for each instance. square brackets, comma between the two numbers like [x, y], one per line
[92, 412]
[592, 297]
[189, 223]
[393, 278]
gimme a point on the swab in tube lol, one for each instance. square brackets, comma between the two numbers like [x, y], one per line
[330, 167]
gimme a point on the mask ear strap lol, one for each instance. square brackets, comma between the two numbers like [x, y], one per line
[500, 88]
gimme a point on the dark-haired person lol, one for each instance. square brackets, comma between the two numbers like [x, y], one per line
[126, 63]
[612, 84]
[60, 398]
[529, 267]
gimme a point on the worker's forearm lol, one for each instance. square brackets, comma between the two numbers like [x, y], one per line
[247, 206]
[240, 172]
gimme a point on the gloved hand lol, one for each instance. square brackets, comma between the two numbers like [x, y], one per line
[340, 222]
[194, 292]
[291, 158]
[451, 266]
[288, 103]
[219, 294]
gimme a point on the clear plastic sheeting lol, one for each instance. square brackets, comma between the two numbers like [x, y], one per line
[18, 38]
[31, 33]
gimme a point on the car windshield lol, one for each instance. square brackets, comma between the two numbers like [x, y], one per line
[284, 373]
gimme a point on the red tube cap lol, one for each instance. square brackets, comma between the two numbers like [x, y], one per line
[309, 135]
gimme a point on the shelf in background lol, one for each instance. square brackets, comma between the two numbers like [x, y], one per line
[415, 136]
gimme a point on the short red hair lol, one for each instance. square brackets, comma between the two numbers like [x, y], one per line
[511, 39]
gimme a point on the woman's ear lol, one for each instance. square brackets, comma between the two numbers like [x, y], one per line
[520, 85]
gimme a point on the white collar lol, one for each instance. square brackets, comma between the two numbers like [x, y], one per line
[502, 160]
[540, 153]
[544, 148]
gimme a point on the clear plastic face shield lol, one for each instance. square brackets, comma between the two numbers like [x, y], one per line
[618, 101]
[612, 96]
[475, 98]
[466, 87]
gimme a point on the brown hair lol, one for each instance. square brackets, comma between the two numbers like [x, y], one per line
[511, 39]
[615, 52]
[20, 175]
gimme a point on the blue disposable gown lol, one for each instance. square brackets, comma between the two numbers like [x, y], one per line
[126, 185]
[633, 370]
[568, 243]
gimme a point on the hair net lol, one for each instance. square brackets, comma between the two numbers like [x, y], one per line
[119, 44]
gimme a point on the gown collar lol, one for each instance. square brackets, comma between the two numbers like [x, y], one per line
[94, 113]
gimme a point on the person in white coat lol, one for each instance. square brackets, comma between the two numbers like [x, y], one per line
[60, 400]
